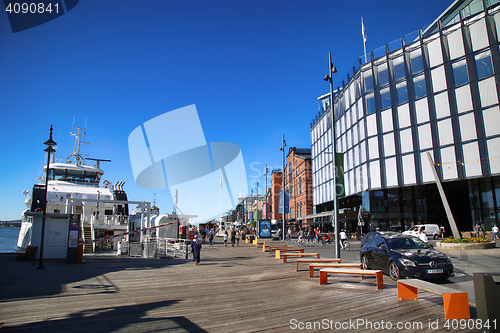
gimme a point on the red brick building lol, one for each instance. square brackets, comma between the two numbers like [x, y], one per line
[298, 182]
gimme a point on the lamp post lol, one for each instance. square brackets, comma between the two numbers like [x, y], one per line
[49, 143]
[335, 214]
[283, 186]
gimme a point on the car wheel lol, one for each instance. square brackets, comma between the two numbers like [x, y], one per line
[394, 271]
[436, 236]
[364, 262]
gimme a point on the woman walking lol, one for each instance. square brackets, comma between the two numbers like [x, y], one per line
[196, 246]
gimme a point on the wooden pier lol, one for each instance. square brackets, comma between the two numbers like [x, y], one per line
[234, 289]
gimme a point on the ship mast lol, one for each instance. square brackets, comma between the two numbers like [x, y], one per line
[79, 160]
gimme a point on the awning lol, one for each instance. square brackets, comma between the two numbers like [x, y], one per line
[312, 216]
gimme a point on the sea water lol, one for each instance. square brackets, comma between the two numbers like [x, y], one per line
[8, 239]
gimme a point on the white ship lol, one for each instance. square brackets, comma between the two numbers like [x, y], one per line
[75, 187]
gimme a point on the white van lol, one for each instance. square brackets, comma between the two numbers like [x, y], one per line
[431, 230]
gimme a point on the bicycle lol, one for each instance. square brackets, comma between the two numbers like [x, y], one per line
[347, 244]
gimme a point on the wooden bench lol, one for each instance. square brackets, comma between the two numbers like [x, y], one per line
[323, 274]
[260, 243]
[300, 255]
[274, 248]
[456, 302]
[309, 260]
[331, 265]
[30, 251]
[278, 253]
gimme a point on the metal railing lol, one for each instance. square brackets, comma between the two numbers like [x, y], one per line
[160, 248]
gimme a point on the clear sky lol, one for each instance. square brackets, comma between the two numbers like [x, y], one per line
[254, 69]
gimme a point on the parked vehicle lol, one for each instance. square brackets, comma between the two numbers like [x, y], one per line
[431, 230]
[404, 256]
[372, 234]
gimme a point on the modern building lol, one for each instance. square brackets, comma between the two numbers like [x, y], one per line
[435, 91]
[298, 183]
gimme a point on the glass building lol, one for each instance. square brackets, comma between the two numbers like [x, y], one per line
[433, 91]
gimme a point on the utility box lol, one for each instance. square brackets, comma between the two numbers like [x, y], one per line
[487, 291]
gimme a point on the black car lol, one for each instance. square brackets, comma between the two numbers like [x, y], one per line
[403, 256]
[372, 234]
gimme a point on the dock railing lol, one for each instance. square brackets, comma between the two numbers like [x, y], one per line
[160, 248]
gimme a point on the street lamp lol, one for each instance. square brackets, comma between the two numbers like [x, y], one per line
[283, 186]
[49, 143]
[335, 214]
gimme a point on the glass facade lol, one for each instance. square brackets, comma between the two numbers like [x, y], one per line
[436, 93]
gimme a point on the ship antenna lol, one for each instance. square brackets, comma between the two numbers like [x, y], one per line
[79, 159]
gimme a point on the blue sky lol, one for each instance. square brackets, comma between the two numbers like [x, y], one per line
[254, 69]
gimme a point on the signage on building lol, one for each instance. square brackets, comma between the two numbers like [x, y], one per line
[281, 202]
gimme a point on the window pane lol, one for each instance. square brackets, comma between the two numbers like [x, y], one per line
[402, 92]
[419, 86]
[460, 74]
[370, 104]
[417, 64]
[368, 78]
[399, 69]
[484, 66]
[385, 98]
[383, 75]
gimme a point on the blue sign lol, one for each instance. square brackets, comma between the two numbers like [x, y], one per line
[265, 228]
[281, 202]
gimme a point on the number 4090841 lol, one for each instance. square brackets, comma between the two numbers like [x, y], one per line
[31, 8]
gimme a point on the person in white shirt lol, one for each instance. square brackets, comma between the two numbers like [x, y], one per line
[343, 238]
[495, 233]
[423, 236]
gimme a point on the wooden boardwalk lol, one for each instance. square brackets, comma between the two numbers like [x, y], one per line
[238, 289]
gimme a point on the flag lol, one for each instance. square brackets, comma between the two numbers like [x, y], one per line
[363, 31]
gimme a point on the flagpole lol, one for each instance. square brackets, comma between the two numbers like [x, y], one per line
[363, 32]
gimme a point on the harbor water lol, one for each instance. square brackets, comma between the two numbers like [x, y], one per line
[8, 239]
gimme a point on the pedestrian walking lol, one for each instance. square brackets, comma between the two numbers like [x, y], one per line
[495, 232]
[423, 236]
[196, 248]
[225, 238]
[210, 238]
[233, 237]
[441, 229]
[477, 228]
[238, 236]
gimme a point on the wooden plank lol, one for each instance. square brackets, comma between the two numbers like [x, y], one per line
[286, 255]
[331, 265]
[429, 286]
[309, 260]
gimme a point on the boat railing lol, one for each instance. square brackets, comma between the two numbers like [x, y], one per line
[160, 248]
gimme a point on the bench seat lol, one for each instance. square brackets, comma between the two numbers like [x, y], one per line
[299, 255]
[456, 302]
[309, 260]
[274, 248]
[331, 265]
[29, 252]
[278, 253]
[323, 274]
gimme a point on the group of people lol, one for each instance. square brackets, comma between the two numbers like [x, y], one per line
[235, 237]
[478, 230]
[196, 243]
